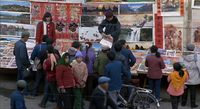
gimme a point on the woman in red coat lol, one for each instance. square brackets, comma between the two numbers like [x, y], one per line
[66, 79]
[45, 27]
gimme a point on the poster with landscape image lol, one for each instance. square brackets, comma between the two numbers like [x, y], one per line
[136, 8]
[89, 34]
[130, 34]
[14, 17]
[91, 21]
[195, 3]
[138, 0]
[103, 0]
[14, 6]
[146, 34]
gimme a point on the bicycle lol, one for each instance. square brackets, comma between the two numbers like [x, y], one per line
[140, 98]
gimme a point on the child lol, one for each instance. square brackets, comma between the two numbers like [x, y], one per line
[66, 79]
[79, 69]
[176, 86]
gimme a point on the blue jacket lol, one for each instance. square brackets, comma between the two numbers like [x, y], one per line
[129, 56]
[113, 70]
[122, 58]
[17, 100]
[36, 51]
[21, 55]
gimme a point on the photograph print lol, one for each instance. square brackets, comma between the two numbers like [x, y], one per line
[14, 6]
[136, 8]
[89, 34]
[196, 35]
[146, 34]
[14, 17]
[91, 21]
[130, 34]
[103, 0]
[195, 3]
[170, 7]
[138, 0]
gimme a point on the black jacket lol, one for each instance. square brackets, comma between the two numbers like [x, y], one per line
[112, 27]
[98, 98]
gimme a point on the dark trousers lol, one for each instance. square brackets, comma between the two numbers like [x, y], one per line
[174, 101]
[20, 77]
[155, 83]
[89, 87]
[66, 97]
[192, 95]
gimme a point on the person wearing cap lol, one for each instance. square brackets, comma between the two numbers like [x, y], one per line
[21, 57]
[17, 100]
[101, 61]
[73, 50]
[79, 69]
[100, 98]
[191, 61]
[112, 27]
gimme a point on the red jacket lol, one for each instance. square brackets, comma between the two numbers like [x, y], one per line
[155, 66]
[50, 32]
[50, 75]
[65, 78]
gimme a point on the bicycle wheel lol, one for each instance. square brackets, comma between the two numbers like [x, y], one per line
[144, 100]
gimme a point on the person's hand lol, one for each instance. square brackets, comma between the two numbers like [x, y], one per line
[62, 90]
[109, 35]
[81, 83]
[103, 34]
[37, 43]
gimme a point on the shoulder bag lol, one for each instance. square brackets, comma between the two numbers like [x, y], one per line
[37, 62]
[27, 72]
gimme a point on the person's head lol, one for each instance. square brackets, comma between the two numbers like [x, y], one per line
[88, 45]
[50, 49]
[137, 47]
[123, 42]
[103, 81]
[105, 48]
[25, 36]
[154, 49]
[79, 57]
[21, 85]
[66, 56]
[111, 55]
[109, 15]
[44, 38]
[47, 17]
[49, 41]
[178, 67]
[76, 44]
[118, 47]
[72, 51]
[190, 47]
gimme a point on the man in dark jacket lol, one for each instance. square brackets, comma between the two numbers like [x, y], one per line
[100, 98]
[21, 57]
[72, 50]
[112, 27]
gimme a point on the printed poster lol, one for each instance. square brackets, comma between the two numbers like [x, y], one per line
[195, 3]
[138, 0]
[91, 21]
[196, 35]
[15, 17]
[139, 45]
[130, 34]
[17, 6]
[89, 34]
[136, 8]
[146, 34]
[103, 0]
[39, 0]
[158, 31]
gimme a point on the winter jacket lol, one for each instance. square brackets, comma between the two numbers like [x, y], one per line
[100, 63]
[111, 27]
[50, 74]
[65, 78]
[17, 100]
[37, 49]
[90, 64]
[192, 65]
[80, 71]
[122, 58]
[155, 66]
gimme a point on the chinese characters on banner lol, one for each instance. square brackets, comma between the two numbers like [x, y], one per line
[158, 31]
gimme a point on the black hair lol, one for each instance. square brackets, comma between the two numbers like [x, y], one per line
[76, 44]
[137, 47]
[87, 47]
[44, 38]
[111, 55]
[118, 47]
[47, 14]
[154, 49]
[49, 41]
[67, 54]
[20, 88]
[141, 48]
[177, 67]
[105, 51]
[122, 41]
[50, 48]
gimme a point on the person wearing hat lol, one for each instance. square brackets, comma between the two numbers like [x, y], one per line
[79, 69]
[191, 61]
[112, 27]
[100, 98]
[101, 61]
[21, 57]
[17, 100]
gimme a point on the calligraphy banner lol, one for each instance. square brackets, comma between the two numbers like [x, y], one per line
[158, 31]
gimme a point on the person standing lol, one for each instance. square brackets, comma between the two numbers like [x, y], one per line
[73, 50]
[89, 58]
[45, 27]
[155, 64]
[17, 100]
[191, 62]
[22, 59]
[112, 27]
[79, 69]
[100, 98]
[176, 86]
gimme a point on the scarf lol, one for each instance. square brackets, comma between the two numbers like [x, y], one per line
[53, 60]
[176, 80]
[62, 60]
[75, 62]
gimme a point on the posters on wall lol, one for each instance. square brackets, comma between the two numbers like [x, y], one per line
[89, 34]
[130, 34]
[138, 0]
[195, 4]
[91, 21]
[103, 0]
[196, 35]
[139, 45]
[136, 8]
[158, 31]
[15, 17]
[146, 34]
[96, 48]
[14, 6]
[39, 0]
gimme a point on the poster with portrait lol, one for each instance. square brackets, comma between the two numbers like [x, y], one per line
[91, 21]
[15, 17]
[173, 34]
[89, 34]
[130, 34]
[17, 6]
[138, 8]
[195, 3]
[196, 35]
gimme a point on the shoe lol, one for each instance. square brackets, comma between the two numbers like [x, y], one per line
[41, 105]
[194, 106]
[29, 97]
[57, 108]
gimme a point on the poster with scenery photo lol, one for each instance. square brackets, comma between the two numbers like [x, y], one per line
[195, 3]
[75, 1]
[139, 8]
[39, 0]
[130, 34]
[103, 0]
[146, 34]
[17, 6]
[138, 0]
[89, 34]
[15, 17]
[99, 8]
[96, 47]
[139, 45]
[91, 21]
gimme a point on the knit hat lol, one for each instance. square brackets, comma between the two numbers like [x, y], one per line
[72, 51]
[108, 14]
[79, 54]
[105, 47]
[25, 34]
[190, 47]
[21, 83]
[103, 79]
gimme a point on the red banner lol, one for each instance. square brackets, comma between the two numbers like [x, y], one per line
[158, 7]
[159, 31]
[182, 7]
